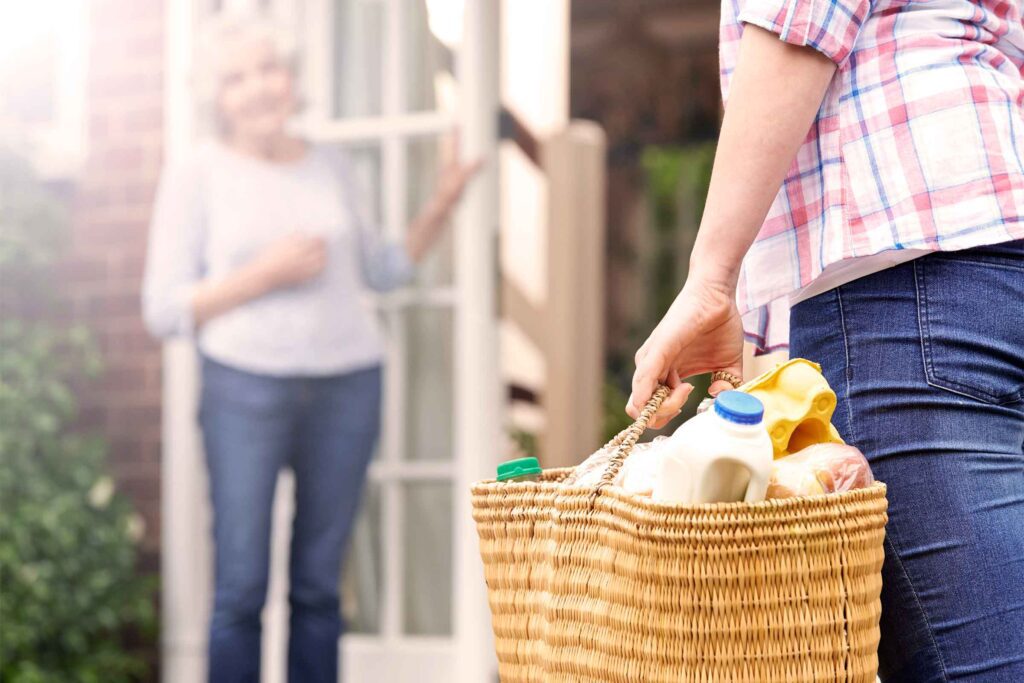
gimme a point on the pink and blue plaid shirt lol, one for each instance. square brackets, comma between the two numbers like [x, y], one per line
[918, 144]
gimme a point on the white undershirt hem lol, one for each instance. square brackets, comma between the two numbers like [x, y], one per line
[843, 272]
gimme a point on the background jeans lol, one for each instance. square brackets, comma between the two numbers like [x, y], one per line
[927, 359]
[325, 429]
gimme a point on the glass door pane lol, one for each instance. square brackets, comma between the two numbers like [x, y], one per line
[429, 364]
[428, 559]
[423, 158]
[364, 163]
[428, 63]
[362, 575]
[358, 57]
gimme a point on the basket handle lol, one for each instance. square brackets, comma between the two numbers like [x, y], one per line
[625, 440]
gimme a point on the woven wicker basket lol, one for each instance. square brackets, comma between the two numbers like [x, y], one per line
[601, 585]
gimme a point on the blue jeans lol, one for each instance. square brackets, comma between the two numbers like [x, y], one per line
[927, 359]
[324, 428]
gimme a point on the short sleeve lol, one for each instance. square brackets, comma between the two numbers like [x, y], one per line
[829, 26]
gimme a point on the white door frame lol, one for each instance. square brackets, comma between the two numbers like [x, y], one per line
[186, 552]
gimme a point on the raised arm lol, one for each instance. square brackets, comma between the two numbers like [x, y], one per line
[775, 94]
[387, 265]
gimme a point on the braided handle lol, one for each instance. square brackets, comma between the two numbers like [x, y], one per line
[627, 438]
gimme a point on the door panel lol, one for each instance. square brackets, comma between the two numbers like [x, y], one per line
[381, 85]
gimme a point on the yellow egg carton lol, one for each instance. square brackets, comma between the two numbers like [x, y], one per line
[798, 405]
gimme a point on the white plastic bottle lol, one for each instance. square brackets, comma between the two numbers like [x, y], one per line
[721, 455]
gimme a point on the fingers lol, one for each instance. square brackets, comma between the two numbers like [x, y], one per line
[645, 380]
[718, 386]
[641, 352]
[673, 404]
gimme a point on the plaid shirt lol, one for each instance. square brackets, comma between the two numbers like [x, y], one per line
[918, 144]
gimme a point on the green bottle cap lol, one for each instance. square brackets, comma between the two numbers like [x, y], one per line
[520, 467]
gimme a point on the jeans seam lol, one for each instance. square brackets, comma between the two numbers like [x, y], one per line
[922, 324]
[852, 436]
[922, 305]
[981, 262]
[920, 606]
[930, 376]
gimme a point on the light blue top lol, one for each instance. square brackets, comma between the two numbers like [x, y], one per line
[217, 209]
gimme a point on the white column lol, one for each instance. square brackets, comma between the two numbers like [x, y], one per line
[478, 390]
[185, 552]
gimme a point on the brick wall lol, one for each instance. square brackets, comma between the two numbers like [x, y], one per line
[110, 214]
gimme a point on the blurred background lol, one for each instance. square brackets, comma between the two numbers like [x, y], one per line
[597, 119]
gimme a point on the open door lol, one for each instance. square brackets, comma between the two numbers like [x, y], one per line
[388, 81]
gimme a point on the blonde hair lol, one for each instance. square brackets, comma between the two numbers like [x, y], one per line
[227, 28]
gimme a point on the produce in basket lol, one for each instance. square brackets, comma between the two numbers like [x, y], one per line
[821, 468]
[589, 472]
[637, 473]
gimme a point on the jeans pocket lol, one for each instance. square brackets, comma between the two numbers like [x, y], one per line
[972, 324]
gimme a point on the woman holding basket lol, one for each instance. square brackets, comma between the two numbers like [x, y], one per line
[867, 210]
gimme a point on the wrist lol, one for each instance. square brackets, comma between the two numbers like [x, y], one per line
[259, 279]
[713, 272]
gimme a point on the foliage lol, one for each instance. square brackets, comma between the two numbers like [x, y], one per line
[615, 417]
[524, 442]
[68, 585]
[677, 181]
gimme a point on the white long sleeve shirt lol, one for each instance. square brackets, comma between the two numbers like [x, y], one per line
[217, 209]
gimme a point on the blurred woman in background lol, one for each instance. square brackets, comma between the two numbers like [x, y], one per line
[259, 250]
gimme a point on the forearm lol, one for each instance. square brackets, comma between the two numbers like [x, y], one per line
[211, 298]
[425, 228]
[774, 97]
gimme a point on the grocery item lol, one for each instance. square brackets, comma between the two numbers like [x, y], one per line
[820, 468]
[640, 470]
[791, 480]
[520, 469]
[719, 456]
[589, 472]
[798, 406]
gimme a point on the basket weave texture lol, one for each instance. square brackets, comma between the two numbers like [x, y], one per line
[597, 584]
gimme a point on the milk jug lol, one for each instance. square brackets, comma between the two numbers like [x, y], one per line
[722, 455]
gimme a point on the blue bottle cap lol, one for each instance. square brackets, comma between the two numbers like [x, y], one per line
[739, 407]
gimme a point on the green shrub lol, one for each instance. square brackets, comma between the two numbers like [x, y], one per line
[676, 185]
[69, 591]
